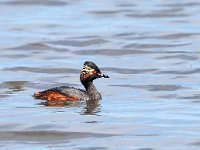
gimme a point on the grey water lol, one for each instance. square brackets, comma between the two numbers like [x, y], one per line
[150, 50]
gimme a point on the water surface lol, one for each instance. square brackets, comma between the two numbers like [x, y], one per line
[150, 50]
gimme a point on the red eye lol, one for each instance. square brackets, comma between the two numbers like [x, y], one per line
[94, 72]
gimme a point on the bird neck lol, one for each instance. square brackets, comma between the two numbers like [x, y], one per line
[92, 91]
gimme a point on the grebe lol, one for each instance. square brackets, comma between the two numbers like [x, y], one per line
[89, 73]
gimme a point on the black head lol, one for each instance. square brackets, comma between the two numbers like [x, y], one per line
[90, 72]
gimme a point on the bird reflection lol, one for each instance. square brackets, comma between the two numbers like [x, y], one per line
[60, 103]
[89, 107]
[16, 86]
[92, 107]
[11, 87]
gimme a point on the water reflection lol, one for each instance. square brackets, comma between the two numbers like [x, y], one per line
[11, 87]
[16, 86]
[60, 103]
[90, 107]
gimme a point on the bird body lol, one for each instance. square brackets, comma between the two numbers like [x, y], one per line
[89, 73]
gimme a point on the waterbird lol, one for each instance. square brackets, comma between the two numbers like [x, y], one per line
[89, 73]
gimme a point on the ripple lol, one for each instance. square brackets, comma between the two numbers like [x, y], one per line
[168, 96]
[194, 96]
[78, 43]
[35, 2]
[146, 46]
[111, 52]
[126, 5]
[145, 149]
[46, 136]
[188, 4]
[171, 36]
[15, 56]
[3, 96]
[181, 56]
[176, 36]
[129, 51]
[37, 46]
[125, 34]
[157, 15]
[194, 71]
[195, 143]
[154, 87]
[10, 87]
[43, 70]
[146, 134]
[104, 12]
[14, 85]
[128, 71]
[162, 13]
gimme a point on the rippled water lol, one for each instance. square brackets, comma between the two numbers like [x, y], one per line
[150, 50]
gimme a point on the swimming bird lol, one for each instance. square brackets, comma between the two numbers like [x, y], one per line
[89, 73]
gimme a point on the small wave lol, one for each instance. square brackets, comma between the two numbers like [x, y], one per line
[36, 46]
[128, 71]
[46, 136]
[43, 70]
[147, 46]
[111, 52]
[35, 2]
[78, 43]
[187, 72]
[154, 87]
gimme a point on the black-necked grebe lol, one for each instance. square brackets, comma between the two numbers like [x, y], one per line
[89, 73]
